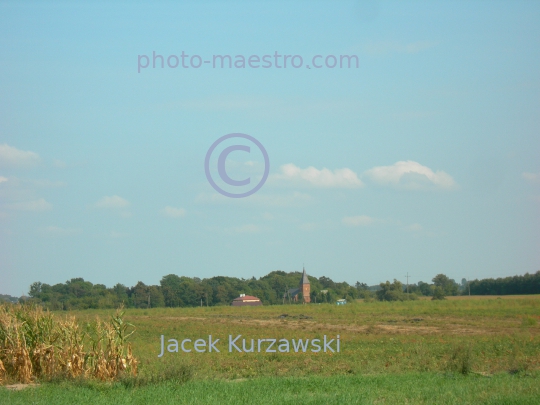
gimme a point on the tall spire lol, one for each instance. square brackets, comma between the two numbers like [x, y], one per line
[305, 279]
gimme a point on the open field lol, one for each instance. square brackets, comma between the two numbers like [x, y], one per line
[484, 297]
[379, 337]
[485, 350]
[414, 388]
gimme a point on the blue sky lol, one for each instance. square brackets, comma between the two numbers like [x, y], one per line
[423, 160]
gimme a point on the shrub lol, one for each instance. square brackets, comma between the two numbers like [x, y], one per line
[393, 292]
[438, 294]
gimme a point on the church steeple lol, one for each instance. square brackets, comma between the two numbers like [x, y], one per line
[305, 279]
[305, 287]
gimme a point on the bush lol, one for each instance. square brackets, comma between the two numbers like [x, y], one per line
[393, 292]
[438, 294]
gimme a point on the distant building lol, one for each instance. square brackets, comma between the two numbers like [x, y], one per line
[341, 302]
[246, 301]
[304, 288]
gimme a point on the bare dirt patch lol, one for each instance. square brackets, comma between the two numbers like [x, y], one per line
[19, 387]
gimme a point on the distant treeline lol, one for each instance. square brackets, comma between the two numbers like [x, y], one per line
[180, 291]
[527, 284]
[8, 298]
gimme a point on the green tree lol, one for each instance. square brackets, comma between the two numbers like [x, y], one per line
[449, 286]
[425, 288]
[393, 292]
[170, 287]
[438, 293]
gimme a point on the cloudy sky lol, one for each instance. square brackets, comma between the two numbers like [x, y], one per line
[421, 160]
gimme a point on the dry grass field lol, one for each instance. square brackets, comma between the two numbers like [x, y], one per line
[485, 335]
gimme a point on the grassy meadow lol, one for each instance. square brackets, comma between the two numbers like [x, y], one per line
[466, 350]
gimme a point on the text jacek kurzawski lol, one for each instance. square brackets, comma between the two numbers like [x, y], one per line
[241, 345]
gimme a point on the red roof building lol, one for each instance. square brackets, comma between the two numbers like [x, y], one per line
[245, 301]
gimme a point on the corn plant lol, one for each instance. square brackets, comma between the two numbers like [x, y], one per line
[36, 344]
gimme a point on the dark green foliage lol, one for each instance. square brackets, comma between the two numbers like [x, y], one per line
[526, 284]
[393, 292]
[143, 296]
[180, 291]
[363, 291]
[438, 294]
[449, 286]
[76, 294]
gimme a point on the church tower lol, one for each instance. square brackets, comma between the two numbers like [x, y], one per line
[305, 287]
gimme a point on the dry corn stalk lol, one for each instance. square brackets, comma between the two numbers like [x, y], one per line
[2, 372]
[34, 344]
[23, 364]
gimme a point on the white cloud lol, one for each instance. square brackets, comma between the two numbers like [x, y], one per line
[113, 202]
[35, 205]
[339, 178]
[358, 220]
[173, 212]
[533, 177]
[58, 231]
[22, 195]
[410, 175]
[365, 220]
[15, 158]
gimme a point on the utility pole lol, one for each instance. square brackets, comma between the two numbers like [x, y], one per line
[407, 282]
[469, 284]
[148, 300]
